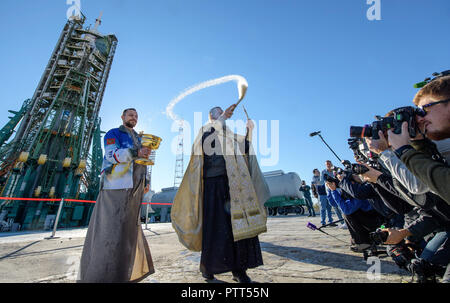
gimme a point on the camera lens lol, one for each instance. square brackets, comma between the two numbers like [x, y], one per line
[359, 169]
[360, 132]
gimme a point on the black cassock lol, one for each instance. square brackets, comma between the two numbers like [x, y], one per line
[220, 253]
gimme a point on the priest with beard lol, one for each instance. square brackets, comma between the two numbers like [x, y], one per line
[219, 207]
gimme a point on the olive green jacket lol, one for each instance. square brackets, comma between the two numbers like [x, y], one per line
[433, 173]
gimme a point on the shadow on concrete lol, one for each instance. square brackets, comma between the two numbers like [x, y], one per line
[317, 257]
[215, 281]
[19, 250]
[23, 233]
[33, 253]
[148, 229]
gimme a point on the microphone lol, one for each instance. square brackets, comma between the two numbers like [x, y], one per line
[314, 134]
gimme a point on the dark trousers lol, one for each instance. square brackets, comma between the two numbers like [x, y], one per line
[309, 205]
[361, 223]
[442, 255]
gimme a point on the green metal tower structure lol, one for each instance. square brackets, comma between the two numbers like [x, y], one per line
[56, 150]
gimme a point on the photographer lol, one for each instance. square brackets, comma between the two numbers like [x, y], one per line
[380, 181]
[406, 181]
[320, 193]
[434, 212]
[433, 99]
[353, 185]
[331, 172]
[383, 184]
[306, 190]
[359, 215]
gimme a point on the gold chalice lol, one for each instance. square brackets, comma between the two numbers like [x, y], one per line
[151, 142]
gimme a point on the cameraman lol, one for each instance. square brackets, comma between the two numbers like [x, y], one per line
[331, 172]
[433, 99]
[434, 212]
[320, 193]
[306, 190]
[359, 215]
[353, 185]
[419, 193]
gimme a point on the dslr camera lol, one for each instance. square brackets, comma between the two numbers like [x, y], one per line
[399, 115]
[400, 253]
[360, 150]
[354, 168]
[331, 179]
[337, 171]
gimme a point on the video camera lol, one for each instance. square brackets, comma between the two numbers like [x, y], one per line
[403, 255]
[379, 236]
[395, 121]
[359, 148]
[362, 154]
[400, 253]
[354, 168]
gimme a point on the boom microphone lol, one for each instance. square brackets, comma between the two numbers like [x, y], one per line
[321, 138]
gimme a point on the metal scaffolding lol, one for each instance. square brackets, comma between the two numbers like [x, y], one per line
[56, 150]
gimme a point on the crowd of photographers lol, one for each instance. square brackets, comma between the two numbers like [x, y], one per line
[398, 192]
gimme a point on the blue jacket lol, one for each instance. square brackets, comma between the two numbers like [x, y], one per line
[365, 191]
[120, 151]
[347, 206]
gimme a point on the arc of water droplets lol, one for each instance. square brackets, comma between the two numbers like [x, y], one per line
[241, 82]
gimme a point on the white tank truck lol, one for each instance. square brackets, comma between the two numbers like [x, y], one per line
[285, 197]
[160, 212]
[285, 194]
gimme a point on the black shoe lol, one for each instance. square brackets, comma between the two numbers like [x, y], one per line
[241, 277]
[359, 247]
[333, 224]
[208, 276]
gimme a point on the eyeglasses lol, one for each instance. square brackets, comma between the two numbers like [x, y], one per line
[422, 110]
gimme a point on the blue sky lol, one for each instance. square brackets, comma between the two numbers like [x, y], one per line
[312, 65]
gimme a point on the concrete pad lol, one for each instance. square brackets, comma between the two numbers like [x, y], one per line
[291, 253]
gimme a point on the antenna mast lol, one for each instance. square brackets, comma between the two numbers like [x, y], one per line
[179, 163]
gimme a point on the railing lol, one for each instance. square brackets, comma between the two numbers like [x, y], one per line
[61, 204]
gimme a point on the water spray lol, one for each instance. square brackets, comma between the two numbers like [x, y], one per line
[242, 86]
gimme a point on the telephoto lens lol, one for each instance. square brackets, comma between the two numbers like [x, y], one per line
[361, 131]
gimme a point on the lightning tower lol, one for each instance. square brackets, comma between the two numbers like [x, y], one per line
[179, 162]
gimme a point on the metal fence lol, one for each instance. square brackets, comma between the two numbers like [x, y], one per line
[61, 204]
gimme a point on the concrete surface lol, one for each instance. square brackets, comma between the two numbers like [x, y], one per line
[291, 253]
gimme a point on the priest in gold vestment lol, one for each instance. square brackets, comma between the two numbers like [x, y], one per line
[219, 207]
